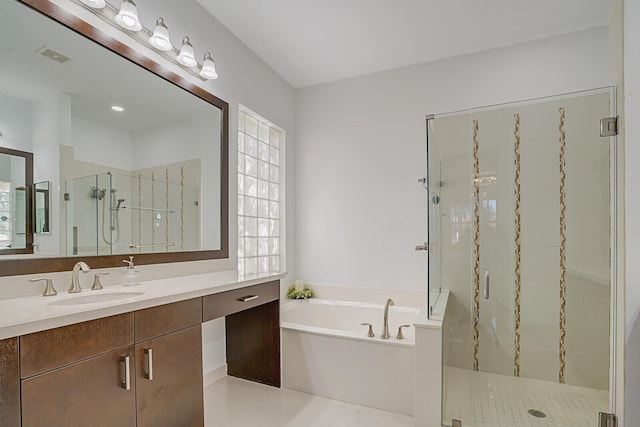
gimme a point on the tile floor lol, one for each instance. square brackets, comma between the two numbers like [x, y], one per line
[232, 402]
[481, 399]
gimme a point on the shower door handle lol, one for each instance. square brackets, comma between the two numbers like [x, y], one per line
[423, 247]
[486, 283]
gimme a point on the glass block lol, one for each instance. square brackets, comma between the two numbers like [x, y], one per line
[274, 138]
[251, 126]
[263, 227]
[274, 263]
[263, 151]
[250, 166]
[241, 163]
[263, 131]
[241, 266]
[274, 227]
[240, 206]
[4, 197]
[274, 174]
[251, 146]
[250, 186]
[263, 264]
[263, 246]
[263, 189]
[274, 192]
[240, 226]
[250, 206]
[251, 246]
[263, 170]
[251, 227]
[241, 247]
[4, 226]
[251, 266]
[240, 184]
[274, 246]
[241, 119]
[274, 210]
[263, 208]
[240, 142]
[274, 156]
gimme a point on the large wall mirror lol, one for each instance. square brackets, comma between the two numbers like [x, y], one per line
[148, 179]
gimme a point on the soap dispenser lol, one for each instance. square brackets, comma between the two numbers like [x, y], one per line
[131, 276]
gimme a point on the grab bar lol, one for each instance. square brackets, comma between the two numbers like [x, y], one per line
[486, 283]
[163, 245]
[169, 211]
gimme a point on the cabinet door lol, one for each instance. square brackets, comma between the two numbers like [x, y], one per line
[9, 383]
[169, 380]
[89, 393]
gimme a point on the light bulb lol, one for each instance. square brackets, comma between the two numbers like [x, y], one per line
[160, 37]
[128, 16]
[208, 70]
[187, 56]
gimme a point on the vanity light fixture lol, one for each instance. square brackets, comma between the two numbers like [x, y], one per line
[117, 108]
[160, 37]
[96, 4]
[208, 70]
[187, 56]
[127, 18]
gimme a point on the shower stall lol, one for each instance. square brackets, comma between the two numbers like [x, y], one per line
[521, 230]
[115, 213]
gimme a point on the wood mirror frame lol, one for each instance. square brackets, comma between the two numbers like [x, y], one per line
[28, 188]
[20, 266]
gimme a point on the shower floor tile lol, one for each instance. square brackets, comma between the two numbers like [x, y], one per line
[232, 402]
[480, 399]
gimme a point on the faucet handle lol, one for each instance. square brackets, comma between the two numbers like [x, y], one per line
[97, 285]
[400, 336]
[370, 334]
[49, 290]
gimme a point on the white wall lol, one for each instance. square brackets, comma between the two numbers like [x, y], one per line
[361, 148]
[16, 124]
[96, 143]
[632, 207]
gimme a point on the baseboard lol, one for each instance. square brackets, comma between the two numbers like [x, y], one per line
[215, 375]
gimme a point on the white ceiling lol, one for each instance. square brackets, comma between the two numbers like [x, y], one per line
[315, 41]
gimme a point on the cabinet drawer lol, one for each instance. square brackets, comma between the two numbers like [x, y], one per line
[47, 350]
[9, 383]
[155, 321]
[225, 303]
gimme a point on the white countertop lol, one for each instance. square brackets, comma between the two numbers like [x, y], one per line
[20, 316]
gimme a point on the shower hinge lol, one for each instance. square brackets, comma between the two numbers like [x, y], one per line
[66, 197]
[607, 420]
[456, 423]
[608, 126]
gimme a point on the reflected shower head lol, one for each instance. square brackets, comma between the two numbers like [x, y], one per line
[120, 201]
[98, 193]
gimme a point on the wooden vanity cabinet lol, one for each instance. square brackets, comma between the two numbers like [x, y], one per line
[169, 384]
[9, 383]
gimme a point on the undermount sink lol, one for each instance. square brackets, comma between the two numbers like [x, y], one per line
[97, 298]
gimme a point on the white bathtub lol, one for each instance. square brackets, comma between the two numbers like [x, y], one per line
[326, 352]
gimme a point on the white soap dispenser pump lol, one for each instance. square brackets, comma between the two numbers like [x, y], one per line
[131, 276]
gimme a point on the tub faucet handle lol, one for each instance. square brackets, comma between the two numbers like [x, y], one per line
[400, 336]
[370, 334]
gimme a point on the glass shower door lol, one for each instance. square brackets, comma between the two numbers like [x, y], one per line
[527, 223]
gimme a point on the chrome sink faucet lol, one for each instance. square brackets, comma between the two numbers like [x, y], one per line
[75, 280]
[385, 329]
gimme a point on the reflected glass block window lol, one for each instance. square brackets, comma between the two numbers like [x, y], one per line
[6, 215]
[259, 203]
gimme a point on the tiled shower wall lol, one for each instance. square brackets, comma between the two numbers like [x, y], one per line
[587, 238]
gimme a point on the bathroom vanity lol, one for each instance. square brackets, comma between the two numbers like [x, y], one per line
[141, 364]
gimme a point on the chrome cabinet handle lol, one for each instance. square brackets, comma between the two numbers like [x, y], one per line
[370, 334]
[486, 283]
[125, 372]
[400, 336]
[249, 298]
[148, 364]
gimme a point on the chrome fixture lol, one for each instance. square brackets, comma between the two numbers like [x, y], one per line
[400, 336]
[423, 247]
[127, 19]
[385, 328]
[370, 334]
[97, 285]
[486, 281]
[157, 245]
[49, 290]
[138, 208]
[75, 280]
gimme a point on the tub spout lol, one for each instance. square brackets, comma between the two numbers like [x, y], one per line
[385, 329]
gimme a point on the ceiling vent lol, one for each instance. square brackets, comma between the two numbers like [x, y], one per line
[53, 54]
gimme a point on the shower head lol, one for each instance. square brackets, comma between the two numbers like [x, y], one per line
[120, 201]
[98, 193]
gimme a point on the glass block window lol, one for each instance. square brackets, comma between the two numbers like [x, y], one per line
[6, 215]
[259, 198]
